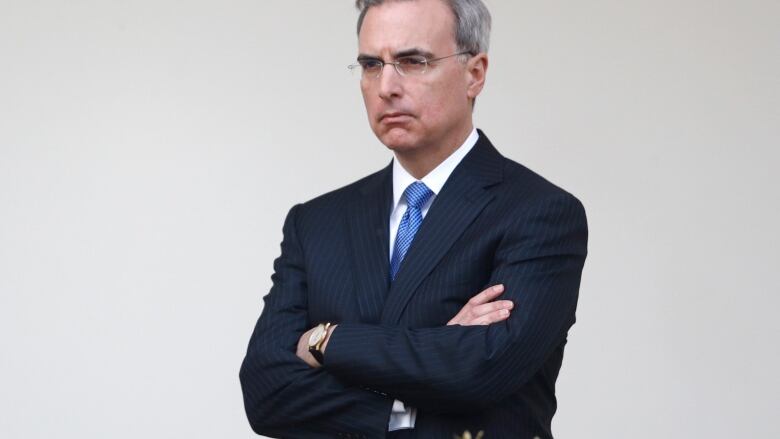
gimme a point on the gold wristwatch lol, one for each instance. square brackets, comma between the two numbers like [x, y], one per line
[316, 339]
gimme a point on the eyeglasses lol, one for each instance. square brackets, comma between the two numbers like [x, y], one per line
[411, 65]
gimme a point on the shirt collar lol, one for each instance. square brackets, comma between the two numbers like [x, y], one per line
[435, 179]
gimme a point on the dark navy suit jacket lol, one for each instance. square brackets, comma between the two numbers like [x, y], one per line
[494, 221]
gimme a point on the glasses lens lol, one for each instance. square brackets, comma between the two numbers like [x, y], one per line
[370, 68]
[413, 65]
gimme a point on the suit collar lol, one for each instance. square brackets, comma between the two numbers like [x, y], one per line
[483, 164]
[437, 177]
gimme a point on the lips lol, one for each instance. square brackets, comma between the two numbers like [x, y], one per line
[395, 117]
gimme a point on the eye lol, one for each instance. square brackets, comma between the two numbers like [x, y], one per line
[412, 61]
[370, 64]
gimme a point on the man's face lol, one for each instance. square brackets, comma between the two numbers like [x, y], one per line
[410, 113]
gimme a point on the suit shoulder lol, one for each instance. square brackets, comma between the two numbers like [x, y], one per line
[532, 198]
[522, 181]
[335, 200]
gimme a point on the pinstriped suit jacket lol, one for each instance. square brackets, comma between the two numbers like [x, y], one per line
[494, 221]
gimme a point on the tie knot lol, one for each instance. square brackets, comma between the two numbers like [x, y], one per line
[417, 194]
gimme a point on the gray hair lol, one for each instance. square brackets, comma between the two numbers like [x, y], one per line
[472, 22]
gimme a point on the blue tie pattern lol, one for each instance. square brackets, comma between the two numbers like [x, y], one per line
[417, 194]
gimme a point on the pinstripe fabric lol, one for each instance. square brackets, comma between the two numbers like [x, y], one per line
[494, 221]
[416, 194]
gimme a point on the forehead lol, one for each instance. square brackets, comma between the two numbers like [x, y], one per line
[398, 25]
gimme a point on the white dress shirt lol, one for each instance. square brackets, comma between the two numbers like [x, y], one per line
[403, 416]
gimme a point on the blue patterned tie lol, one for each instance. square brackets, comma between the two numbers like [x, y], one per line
[416, 195]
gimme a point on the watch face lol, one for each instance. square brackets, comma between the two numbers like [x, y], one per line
[317, 335]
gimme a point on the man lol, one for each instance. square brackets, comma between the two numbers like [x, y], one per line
[372, 327]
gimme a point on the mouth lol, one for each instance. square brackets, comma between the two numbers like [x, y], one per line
[395, 117]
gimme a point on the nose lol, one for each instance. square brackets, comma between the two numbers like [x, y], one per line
[390, 84]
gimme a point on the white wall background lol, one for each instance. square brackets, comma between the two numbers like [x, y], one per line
[149, 151]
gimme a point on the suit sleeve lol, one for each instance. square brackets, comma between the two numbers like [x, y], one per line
[283, 396]
[458, 368]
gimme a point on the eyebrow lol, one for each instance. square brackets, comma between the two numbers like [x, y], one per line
[400, 54]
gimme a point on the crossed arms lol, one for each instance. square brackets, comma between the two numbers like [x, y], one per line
[446, 369]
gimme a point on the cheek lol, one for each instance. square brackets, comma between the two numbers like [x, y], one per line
[439, 104]
[452, 101]
[374, 106]
[366, 96]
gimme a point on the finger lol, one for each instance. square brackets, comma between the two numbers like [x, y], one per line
[487, 295]
[496, 316]
[487, 308]
[487, 319]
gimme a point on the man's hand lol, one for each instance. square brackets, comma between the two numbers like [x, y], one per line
[479, 310]
[303, 347]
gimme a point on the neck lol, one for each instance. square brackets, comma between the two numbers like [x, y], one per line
[419, 162]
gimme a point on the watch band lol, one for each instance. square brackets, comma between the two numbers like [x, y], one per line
[316, 349]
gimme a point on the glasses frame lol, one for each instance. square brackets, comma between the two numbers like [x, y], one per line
[397, 65]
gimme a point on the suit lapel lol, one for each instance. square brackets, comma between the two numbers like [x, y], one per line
[368, 221]
[463, 197]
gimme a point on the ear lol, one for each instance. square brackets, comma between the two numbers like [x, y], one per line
[476, 69]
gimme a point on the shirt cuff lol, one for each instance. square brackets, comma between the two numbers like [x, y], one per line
[401, 416]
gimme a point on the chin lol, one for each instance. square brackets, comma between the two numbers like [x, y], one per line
[398, 139]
